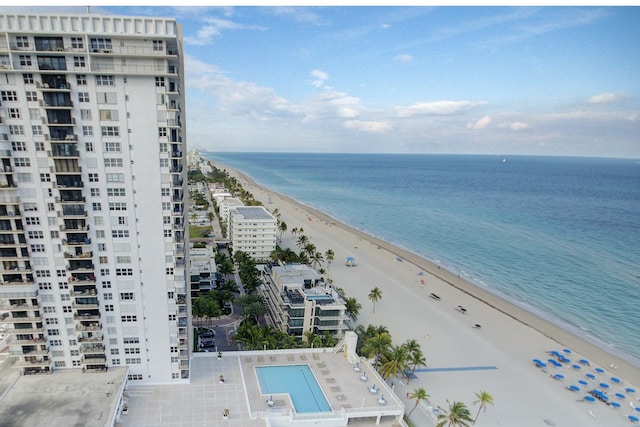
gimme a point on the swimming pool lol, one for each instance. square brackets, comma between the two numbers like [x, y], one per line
[298, 382]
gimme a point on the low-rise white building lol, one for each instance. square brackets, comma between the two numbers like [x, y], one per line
[252, 229]
[225, 205]
[203, 269]
[298, 300]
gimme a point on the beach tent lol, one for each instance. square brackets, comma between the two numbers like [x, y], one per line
[350, 261]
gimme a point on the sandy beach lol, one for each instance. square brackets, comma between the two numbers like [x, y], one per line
[463, 359]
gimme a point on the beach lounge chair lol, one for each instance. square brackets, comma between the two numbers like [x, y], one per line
[434, 296]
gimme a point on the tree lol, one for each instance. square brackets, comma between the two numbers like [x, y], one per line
[394, 362]
[376, 345]
[282, 227]
[302, 241]
[418, 394]
[252, 306]
[210, 216]
[483, 398]
[375, 295]
[458, 415]
[316, 258]
[329, 256]
[415, 359]
[352, 307]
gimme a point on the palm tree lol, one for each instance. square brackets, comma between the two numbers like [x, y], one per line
[329, 255]
[352, 307]
[376, 345]
[375, 295]
[282, 227]
[457, 416]
[415, 359]
[394, 362]
[483, 398]
[302, 241]
[418, 394]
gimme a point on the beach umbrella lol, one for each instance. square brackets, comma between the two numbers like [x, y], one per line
[582, 382]
[591, 376]
[604, 385]
[599, 370]
[584, 362]
[615, 404]
[633, 418]
[558, 376]
[573, 387]
[629, 390]
[564, 359]
[637, 409]
[620, 395]
[539, 363]
[566, 350]
[615, 380]
[590, 398]
[576, 367]
[554, 353]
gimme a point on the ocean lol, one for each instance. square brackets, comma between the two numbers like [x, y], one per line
[558, 236]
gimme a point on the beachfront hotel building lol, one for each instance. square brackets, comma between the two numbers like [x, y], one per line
[92, 185]
[299, 301]
[252, 230]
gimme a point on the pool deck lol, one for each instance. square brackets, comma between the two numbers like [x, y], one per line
[202, 402]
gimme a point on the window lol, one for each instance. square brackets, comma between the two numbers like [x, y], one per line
[129, 318]
[169, 271]
[31, 96]
[16, 129]
[27, 78]
[159, 81]
[115, 177]
[31, 220]
[81, 79]
[93, 177]
[167, 233]
[79, 61]
[117, 206]
[9, 95]
[162, 131]
[89, 145]
[112, 162]
[85, 114]
[54, 234]
[119, 234]
[38, 234]
[103, 260]
[172, 318]
[22, 42]
[100, 234]
[131, 340]
[158, 46]
[24, 177]
[164, 163]
[114, 192]
[166, 206]
[106, 285]
[99, 44]
[34, 113]
[22, 161]
[108, 296]
[87, 130]
[18, 146]
[133, 360]
[164, 147]
[25, 60]
[39, 146]
[165, 192]
[102, 247]
[108, 307]
[133, 350]
[77, 43]
[115, 351]
[110, 130]
[45, 177]
[109, 115]
[37, 248]
[112, 147]
[14, 113]
[107, 98]
[124, 272]
[36, 130]
[83, 96]
[95, 192]
[44, 286]
[104, 80]
[97, 206]
[124, 259]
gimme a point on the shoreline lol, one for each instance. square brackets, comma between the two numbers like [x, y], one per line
[549, 329]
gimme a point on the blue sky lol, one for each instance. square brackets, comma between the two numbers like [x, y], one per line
[494, 80]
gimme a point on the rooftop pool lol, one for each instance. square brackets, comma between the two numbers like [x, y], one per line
[298, 382]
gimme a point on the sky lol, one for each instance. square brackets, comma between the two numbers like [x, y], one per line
[499, 80]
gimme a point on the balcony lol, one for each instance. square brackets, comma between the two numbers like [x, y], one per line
[90, 339]
[21, 306]
[88, 327]
[89, 359]
[86, 317]
[34, 362]
[76, 210]
[82, 278]
[89, 348]
[30, 350]
[80, 267]
[32, 329]
[25, 341]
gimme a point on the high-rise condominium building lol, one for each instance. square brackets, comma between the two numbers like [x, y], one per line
[92, 194]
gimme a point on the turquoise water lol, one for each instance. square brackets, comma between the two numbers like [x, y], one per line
[558, 236]
[297, 381]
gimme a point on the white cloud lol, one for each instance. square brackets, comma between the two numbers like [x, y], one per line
[320, 78]
[482, 123]
[213, 27]
[515, 126]
[368, 126]
[604, 98]
[434, 108]
[405, 57]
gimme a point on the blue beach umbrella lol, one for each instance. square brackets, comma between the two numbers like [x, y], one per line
[615, 380]
[584, 362]
[604, 385]
[599, 370]
[573, 387]
[633, 418]
[582, 382]
[637, 409]
[630, 390]
[615, 404]
[576, 367]
[620, 395]
[591, 376]
[558, 376]
[590, 398]
[566, 350]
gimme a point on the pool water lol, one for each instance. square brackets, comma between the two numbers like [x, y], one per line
[298, 382]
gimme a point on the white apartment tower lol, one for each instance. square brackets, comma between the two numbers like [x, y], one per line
[92, 184]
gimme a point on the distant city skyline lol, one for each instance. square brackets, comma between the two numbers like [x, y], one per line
[477, 80]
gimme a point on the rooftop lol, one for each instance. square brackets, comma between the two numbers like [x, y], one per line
[254, 212]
